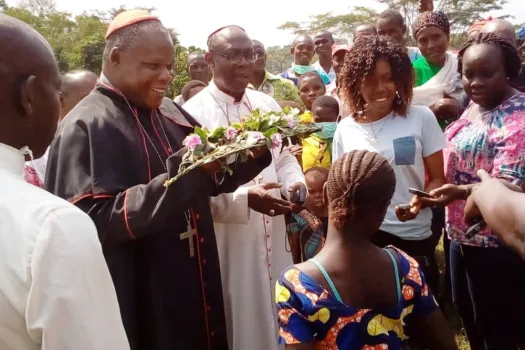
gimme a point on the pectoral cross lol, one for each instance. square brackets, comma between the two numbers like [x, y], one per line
[189, 235]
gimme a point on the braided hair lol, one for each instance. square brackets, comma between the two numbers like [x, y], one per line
[511, 58]
[361, 61]
[358, 179]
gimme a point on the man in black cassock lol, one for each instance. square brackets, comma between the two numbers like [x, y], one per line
[111, 156]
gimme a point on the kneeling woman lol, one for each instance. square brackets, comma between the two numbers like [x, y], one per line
[377, 81]
[353, 294]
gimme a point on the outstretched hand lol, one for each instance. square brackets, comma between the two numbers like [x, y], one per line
[262, 201]
[409, 211]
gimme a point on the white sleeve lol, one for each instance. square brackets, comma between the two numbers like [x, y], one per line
[289, 171]
[231, 208]
[432, 137]
[72, 303]
[337, 146]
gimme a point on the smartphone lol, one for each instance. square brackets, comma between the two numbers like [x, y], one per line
[298, 196]
[419, 193]
[473, 230]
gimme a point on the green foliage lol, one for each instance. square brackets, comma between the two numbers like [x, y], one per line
[339, 25]
[460, 12]
[78, 42]
[278, 59]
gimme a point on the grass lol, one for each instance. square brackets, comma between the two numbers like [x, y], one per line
[449, 310]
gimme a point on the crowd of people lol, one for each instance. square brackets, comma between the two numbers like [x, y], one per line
[416, 144]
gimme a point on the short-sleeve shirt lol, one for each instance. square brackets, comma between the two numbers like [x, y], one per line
[308, 313]
[494, 142]
[404, 142]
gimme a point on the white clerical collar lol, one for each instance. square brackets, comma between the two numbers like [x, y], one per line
[11, 159]
[221, 96]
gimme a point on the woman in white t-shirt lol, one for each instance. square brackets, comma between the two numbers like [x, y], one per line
[377, 82]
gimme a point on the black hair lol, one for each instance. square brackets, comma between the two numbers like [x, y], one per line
[68, 79]
[186, 89]
[123, 37]
[327, 102]
[312, 74]
[362, 24]
[511, 57]
[316, 172]
[361, 61]
[393, 14]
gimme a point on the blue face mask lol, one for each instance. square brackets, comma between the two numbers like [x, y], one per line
[298, 69]
[328, 130]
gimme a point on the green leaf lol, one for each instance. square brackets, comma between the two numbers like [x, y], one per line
[203, 134]
[268, 133]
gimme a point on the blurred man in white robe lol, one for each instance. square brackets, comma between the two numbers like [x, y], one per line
[55, 287]
[249, 223]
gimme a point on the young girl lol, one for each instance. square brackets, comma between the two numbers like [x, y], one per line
[310, 86]
[353, 294]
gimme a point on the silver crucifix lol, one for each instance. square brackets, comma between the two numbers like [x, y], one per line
[189, 235]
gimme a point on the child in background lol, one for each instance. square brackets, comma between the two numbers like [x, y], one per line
[353, 294]
[317, 148]
[191, 89]
[310, 86]
[307, 229]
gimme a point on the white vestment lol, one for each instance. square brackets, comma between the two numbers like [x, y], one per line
[55, 289]
[252, 249]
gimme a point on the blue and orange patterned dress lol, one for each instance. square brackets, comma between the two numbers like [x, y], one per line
[308, 313]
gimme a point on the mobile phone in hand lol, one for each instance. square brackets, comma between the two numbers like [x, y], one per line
[473, 230]
[419, 193]
[298, 196]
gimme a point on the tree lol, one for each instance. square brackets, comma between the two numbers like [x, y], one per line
[78, 43]
[278, 59]
[461, 14]
[339, 25]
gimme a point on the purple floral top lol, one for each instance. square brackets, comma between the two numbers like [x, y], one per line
[494, 142]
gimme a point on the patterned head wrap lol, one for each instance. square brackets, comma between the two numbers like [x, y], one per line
[431, 19]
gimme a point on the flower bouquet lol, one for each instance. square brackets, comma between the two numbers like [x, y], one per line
[234, 142]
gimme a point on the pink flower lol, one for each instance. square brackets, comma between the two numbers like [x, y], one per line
[290, 120]
[192, 141]
[277, 140]
[254, 137]
[231, 133]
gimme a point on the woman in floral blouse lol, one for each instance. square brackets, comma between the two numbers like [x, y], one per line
[488, 280]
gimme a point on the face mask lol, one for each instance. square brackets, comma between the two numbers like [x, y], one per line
[302, 69]
[328, 130]
[26, 151]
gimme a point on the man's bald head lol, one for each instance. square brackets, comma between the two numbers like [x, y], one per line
[29, 88]
[501, 28]
[231, 57]
[223, 35]
[75, 86]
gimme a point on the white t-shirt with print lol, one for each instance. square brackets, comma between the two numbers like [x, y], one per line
[404, 142]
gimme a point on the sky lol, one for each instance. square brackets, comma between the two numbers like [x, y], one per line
[194, 20]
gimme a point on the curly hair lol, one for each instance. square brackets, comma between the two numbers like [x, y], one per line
[358, 179]
[511, 57]
[361, 61]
